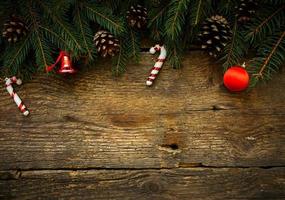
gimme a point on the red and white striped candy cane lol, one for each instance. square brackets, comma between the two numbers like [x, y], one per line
[159, 62]
[18, 101]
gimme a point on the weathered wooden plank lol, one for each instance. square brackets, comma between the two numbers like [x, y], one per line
[192, 183]
[187, 118]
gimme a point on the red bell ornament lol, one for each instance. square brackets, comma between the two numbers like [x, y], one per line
[65, 66]
[236, 78]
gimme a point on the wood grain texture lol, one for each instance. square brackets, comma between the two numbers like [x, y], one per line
[94, 120]
[192, 183]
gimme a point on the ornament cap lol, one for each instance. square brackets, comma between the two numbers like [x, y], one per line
[243, 65]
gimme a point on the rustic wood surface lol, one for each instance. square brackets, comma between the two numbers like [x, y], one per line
[191, 183]
[97, 136]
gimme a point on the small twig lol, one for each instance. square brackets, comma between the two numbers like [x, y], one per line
[270, 56]
[267, 19]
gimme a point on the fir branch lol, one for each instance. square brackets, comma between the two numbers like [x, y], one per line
[198, 13]
[271, 55]
[158, 16]
[265, 21]
[176, 18]
[227, 7]
[199, 9]
[235, 49]
[174, 53]
[85, 33]
[69, 33]
[156, 25]
[63, 28]
[14, 57]
[175, 58]
[27, 68]
[134, 45]
[103, 16]
[114, 5]
[273, 2]
[120, 61]
[42, 51]
[53, 37]
[264, 26]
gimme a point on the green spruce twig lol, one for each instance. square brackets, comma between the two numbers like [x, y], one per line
[271, 56]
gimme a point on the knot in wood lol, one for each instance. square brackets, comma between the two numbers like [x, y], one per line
[152, 187]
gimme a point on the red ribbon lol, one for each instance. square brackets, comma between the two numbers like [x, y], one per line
[61, 54]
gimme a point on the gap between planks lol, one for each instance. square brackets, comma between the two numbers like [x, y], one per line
[182, 166]
[15, 174]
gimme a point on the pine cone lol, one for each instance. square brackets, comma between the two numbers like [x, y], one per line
[245, 10]
[14, 29]
[137, 17]
[106, 43]
[215, 34]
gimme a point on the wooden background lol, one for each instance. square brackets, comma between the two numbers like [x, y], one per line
[95, 136]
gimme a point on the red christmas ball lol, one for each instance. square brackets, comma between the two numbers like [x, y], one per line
[236, 79]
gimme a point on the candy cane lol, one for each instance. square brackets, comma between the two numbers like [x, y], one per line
[159, 62]
[18, 101]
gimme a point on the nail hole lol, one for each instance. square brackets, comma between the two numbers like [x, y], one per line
[172, 146]
[215, 107]
[220, 107]
[69, 118]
